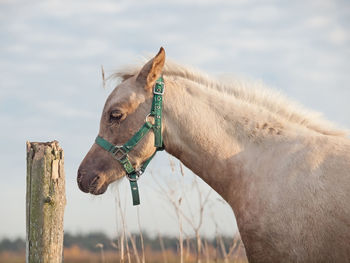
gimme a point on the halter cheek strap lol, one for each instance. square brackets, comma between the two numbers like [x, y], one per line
[120, 153]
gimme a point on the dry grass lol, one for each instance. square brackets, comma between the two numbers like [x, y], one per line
[75, 254]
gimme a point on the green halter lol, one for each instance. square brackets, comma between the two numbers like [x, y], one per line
[120, 153]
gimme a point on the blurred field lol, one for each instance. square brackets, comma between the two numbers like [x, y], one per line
[77, 255]
[98, 248]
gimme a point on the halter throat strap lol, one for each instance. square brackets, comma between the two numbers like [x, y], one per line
[120, 152]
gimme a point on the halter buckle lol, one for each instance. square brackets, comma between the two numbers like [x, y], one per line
[119, 153]
[156, 89]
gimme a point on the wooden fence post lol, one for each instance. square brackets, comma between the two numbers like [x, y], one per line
[45, 202]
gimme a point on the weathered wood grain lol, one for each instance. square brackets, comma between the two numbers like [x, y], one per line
[45, 202]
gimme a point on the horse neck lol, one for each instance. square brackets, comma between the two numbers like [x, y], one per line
[206, 130]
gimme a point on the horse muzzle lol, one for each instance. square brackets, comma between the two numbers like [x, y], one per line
[91, 183]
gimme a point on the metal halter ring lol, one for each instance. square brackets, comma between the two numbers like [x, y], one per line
[138, 174]
[148, 115]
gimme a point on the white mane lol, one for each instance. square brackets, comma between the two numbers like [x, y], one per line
[254, 93]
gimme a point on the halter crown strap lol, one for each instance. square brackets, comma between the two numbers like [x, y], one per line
[156, 112]
[120, 153]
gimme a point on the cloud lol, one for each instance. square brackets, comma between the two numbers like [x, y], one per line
[68, 9]
[60, 109]
[318, 21]
[339, 36]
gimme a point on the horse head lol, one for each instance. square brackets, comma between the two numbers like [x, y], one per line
[123, 114]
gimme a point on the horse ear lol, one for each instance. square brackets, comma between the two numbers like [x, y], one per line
[152, 70]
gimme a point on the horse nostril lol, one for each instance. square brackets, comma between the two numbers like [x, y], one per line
[95, 180]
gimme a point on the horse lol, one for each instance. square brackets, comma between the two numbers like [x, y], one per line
[284, 170]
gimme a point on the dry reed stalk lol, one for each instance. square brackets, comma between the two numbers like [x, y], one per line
[176, 203]
[123, 237]
[99, 245]
[223, 249]
[206, 251]
[235, 246]
[191, 220]
[217, 241]
[141, 236]
[133, 243]
[126, 240]
[103, 77]
[188, 249]
[121, 233]
[122, 257]
[172, 165]
[181, 235]
[232, 249]
[161, 243]
[127, 249]
[182, 170]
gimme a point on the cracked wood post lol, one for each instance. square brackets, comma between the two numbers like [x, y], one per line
[45, 202]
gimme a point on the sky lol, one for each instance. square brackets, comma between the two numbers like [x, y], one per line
[51, 54]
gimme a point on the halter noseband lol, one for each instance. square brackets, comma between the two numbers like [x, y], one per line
[120, 152]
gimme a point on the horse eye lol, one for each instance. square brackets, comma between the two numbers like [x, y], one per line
[115, 115]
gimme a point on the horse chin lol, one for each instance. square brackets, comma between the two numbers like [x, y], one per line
[99, 190]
